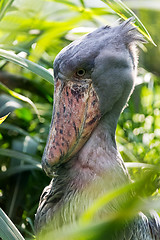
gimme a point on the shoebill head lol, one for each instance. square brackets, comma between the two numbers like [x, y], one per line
[93, 77]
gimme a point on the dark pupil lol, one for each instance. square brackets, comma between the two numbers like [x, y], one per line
[81, 72]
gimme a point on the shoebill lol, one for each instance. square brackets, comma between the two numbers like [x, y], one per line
[94, 78]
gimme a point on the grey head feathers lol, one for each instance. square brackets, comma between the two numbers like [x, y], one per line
[109, 58]
[83, 51]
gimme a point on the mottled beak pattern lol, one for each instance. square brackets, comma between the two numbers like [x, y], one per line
[76, 113]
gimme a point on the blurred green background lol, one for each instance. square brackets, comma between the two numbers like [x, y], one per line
[38, 30]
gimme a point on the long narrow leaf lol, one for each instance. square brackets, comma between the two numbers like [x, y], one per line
[102, 201]
[109, 196]
[124, 12]
[141, 165]
[4, 5]
[33, 67]
[19, 169]
[8, 230]
[21, 156]
[88, 229]
[19, 130]
[20, 97]
[3, 118]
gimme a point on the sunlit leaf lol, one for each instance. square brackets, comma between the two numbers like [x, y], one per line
[33, 67]
[102, 201]
[66, 2]
[4, 5]
[88, 228]
[3, 118]
[54, 32]
[20, 97]
[124, 12]
[24, 114]
[140, 165]
[82, 2]
[139, 4]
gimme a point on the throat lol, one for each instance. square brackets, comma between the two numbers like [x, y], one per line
[98, 159]
[96, 169]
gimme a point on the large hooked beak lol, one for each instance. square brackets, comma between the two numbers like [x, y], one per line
[75, 115]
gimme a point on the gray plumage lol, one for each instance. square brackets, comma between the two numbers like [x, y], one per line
[109, 58]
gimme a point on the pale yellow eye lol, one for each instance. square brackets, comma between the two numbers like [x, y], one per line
[81, 72]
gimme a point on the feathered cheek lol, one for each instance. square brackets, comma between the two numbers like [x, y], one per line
[76, 114]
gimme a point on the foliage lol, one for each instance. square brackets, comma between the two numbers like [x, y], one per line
[111, 226]
[7, 228]
[3, 118]
[31, 35]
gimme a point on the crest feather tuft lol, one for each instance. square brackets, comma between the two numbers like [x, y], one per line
[130, 33]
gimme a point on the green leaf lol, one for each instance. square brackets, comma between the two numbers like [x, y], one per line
[82, 2]
[64, 2]
[141, 165]
[20, 97]
[3, 118]
[89, 228]
[19, 130]
[21, 156]
[33, 67]
[102, 201]
[4, 5]
[109, 196]
[8, 230]
[124, 12]
[24, 114]
[18, 169]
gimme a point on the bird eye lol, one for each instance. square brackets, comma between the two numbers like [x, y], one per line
[80, 72]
